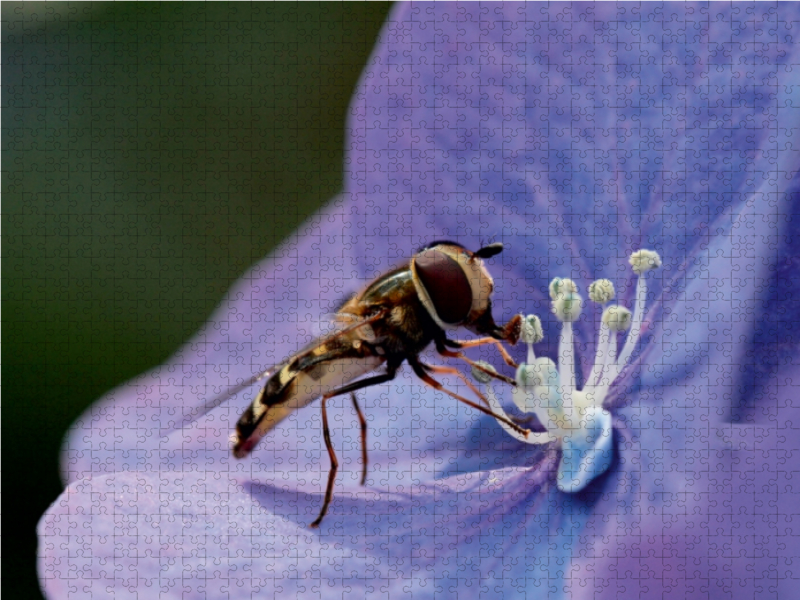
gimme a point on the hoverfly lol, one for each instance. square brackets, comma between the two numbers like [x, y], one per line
[444, 286]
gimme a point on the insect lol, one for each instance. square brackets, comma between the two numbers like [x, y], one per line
[443, 287]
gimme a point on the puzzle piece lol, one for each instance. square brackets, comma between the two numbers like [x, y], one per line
[644, 447]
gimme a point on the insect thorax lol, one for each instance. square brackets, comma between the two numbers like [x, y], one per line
[406, 328]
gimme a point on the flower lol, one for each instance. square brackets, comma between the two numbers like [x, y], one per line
[576, 418]
[574, 134]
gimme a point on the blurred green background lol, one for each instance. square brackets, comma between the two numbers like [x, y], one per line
[150, 153]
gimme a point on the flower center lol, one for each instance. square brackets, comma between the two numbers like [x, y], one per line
[576, 418]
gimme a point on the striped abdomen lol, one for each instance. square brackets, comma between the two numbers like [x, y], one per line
[301, 380]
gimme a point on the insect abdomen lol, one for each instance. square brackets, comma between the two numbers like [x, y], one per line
[297, 384]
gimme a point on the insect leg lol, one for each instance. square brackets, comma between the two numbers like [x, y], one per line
[419, 369]
[326, 433]
[351, 387]
[449, 353]
[457, 373]
[480, 342]
[363, 422]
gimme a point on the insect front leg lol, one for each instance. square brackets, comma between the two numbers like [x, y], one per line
[459, 374]
[441, 349]
[461, 344]
[420, 370]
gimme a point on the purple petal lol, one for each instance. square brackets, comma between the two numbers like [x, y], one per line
[227, 537]
[574, 134]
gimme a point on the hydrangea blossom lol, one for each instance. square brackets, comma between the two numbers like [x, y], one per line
[575, 134]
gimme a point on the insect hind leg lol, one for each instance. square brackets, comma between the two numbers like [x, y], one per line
[351, 387]
[326, 433]
[363, 423]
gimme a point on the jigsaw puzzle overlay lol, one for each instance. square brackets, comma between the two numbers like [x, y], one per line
[574, 135]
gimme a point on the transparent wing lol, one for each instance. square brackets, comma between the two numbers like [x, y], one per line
[198, 412]
[339, 324]
[331, 324]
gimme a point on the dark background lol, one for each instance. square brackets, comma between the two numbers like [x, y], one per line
[151, 152]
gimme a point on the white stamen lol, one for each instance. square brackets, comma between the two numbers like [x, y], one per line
[534, 437]
[559, 287]
[531, 334]
[566, 369]
[608, 371]
[577, 417]
[644, 260]
[599, 356]
[614, 320]
[482, 376]
[537, 392]
[617, 318]
[601, 291]
[567, 307]
[636, 325]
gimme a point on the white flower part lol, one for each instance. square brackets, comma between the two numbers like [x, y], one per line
[576, 418]
[600, 355]
[531, 334]
[541, 372]
[494, 404]
[601, 291]
[559, 287]
[567, 307]
[566, 370]
[482, 376]
[644, 260]
[587, 452]
[617, 318]
[537, 390]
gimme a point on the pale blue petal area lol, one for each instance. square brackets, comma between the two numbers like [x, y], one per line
[714, 302]
[495, 533]
[587, 453]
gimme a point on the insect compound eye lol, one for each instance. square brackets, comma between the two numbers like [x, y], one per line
[446, 284]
